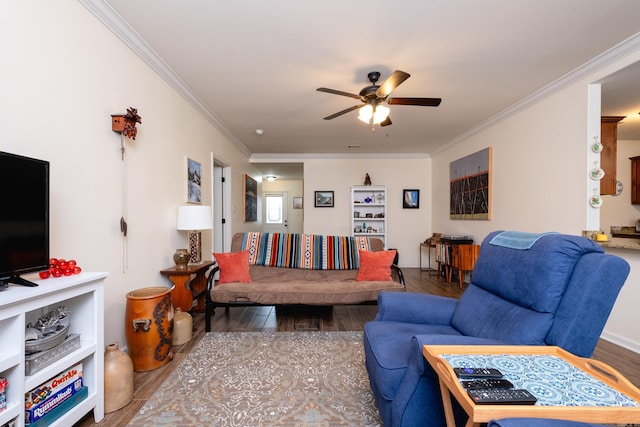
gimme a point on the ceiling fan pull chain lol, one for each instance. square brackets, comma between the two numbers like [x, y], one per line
[373, 114]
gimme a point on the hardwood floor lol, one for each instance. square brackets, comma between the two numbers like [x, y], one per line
[339, 318]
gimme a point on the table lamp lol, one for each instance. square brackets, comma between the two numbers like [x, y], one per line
[194, 219]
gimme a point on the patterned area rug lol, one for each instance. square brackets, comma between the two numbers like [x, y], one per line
[267, 379]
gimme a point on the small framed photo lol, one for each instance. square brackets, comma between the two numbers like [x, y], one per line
[324, 199]
[410, 199]
[194, 181]
[297, 203]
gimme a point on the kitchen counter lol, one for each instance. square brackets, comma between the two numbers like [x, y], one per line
[621, 243]
[615, 242]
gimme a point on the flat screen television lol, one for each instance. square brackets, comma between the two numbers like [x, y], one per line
[24, 217]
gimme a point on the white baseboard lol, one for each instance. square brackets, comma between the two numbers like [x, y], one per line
[621, 341]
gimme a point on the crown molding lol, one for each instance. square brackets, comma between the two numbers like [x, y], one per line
[607, 58]
[298, 157]
[114, 22]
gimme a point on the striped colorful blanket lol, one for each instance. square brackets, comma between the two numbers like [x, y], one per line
[306, 251]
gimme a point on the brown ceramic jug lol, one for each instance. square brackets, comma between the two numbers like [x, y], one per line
[118, 378]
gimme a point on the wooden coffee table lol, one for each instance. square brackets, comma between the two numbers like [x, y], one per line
[568, 387]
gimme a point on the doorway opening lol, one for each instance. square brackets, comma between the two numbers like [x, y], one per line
[221, 205]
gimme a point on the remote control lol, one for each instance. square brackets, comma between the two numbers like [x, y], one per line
[477, 373]
[486, 383]
[502, 396]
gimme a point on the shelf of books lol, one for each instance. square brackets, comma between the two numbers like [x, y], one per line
[369, 211]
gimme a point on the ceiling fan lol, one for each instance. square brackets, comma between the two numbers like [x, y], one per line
[373, 96]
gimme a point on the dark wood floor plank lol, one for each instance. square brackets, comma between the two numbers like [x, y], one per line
[259, 319]
[625, 361]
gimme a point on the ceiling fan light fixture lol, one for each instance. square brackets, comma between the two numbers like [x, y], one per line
[372, 112]
[365, 112]
[379, 114]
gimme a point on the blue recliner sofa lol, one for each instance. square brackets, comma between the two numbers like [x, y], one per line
[533, 289]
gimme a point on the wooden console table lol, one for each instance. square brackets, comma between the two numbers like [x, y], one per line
[608, 397]
[183, 296]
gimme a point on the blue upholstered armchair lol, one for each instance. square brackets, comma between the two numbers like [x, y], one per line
[548, 289]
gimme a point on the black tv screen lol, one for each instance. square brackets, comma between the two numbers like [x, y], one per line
[24, 216]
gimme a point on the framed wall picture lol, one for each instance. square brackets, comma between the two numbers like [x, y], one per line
[470, 186]
[250, 205]
[324, 199]
[194, 181]
[410, 199]
[297, 203]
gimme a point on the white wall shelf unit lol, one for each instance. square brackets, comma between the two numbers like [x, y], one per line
[83, 295]
[369, 211]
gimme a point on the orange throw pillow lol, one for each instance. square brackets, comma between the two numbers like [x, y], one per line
[234, 267]
[375, 266]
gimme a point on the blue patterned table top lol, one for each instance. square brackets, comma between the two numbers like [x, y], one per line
[552, 380]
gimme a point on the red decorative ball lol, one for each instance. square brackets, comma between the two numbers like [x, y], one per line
[60, 266]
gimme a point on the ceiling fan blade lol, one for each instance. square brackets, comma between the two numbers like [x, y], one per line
[425, 102]
[338, 92]
[392, 82]
[345, 111]
[386, 122]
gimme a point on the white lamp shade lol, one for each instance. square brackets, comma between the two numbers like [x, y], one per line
[194, 218]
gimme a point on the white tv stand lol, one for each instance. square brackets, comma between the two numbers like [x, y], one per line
[83, 295]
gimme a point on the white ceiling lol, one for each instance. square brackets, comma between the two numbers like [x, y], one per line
[621, 97]
[255, 64]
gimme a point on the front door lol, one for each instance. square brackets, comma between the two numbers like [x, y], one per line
[275, 212]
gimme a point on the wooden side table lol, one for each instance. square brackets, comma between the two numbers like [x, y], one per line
[589, 411]
[429, 246]
[182, 295]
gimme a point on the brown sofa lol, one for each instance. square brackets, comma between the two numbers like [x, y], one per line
[288, 285]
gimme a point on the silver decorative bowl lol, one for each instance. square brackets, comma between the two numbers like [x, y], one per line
[48, 341]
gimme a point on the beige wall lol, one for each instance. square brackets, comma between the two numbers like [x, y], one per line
[541, 159]
[62, 78]
[539, 162]
[406, 228]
